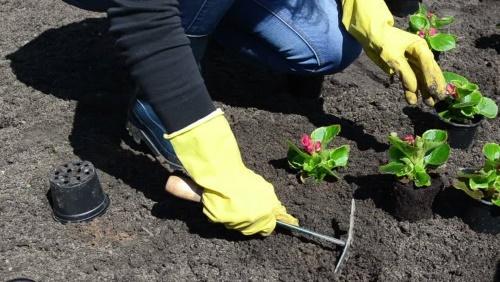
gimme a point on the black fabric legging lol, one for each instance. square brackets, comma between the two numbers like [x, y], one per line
[157, 51]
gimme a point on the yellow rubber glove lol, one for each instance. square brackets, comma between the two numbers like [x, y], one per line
[232, 194]
[394, 50]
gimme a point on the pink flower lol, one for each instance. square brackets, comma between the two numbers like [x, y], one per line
[410, 139]
[429, 15]
[317, 146]
[451, 90]
[306, 140]
[309, 145]
[421, 33]
[432, 31]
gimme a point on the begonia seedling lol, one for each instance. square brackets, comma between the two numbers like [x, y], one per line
[427, 25]
[314, 158]
[484, 183]
[412, 156]
[465, 101]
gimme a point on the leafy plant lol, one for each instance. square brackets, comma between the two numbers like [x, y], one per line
[314, 159]
[410, 158]
[427, 25]
[483, 184]
[465, 101]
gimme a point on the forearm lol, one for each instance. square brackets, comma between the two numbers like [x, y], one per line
[152, 40]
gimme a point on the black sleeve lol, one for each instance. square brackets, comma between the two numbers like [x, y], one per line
[157, 51]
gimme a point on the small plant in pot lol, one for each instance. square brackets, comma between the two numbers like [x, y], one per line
[315, 159]
[463, 110]
[410, 160]
[428, 25]
[483, 185]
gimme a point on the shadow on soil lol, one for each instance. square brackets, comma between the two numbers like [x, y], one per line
[376, 187]
[420, 119]
[489, 42]
[497, 272]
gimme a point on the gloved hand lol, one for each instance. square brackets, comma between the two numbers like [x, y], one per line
[232, 194]
[394, 50]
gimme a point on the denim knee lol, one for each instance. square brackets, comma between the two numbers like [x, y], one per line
[330, 58]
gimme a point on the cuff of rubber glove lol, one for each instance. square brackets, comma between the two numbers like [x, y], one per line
[216, 113]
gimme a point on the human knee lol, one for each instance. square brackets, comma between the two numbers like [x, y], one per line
[331, 57]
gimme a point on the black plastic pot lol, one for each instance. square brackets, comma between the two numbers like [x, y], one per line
[437, 55]
[460, 136]
[402, 8]
[412, 203]
[76, 193]
[483, 216]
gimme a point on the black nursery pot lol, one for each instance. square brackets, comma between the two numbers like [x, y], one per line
[412, 203]
[76, 193]
[460, 136]
[402, 8]
[483, 216]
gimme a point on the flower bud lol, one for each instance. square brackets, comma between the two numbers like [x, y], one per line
[410, 139]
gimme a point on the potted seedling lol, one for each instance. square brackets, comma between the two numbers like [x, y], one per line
[428, 26]
[314, 158]
[483, 185]
[410, 160]
[463, 110]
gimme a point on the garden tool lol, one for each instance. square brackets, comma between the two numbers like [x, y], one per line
[188, 190]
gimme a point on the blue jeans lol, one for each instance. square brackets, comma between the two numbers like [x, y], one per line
[290, 36]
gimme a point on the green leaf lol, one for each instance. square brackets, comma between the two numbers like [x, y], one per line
[444, 21]
[468, 101]
[492, 151]
[422, 9]
[452, 77]
[296, 157]
[407, 149]
[397, 168]
[482, 180]
[461, 185]
[395, 154]
[438, 156]
[468, 112]
[311, 163]
[340, 155]
[435, 135]
[487, 107]
[434, 138]
[418, 22]
[496, 202]
[442, 42]
[422, 178]
[325, 134]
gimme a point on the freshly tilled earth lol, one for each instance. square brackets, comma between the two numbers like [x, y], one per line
[64, 94]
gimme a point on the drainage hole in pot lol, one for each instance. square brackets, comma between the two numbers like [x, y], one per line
[79, 170]
[66, 181]
[78, 178]
[69, 170]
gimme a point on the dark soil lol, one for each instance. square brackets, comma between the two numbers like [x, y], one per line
[415, 203]
[64, 96]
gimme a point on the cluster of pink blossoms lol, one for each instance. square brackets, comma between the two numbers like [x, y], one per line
[410, 139]
[451, 90]
[432, 32]
[309, 145]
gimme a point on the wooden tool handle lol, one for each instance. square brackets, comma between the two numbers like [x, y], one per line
[183, 188]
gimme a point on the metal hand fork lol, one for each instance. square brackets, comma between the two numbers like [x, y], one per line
[346, 244]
